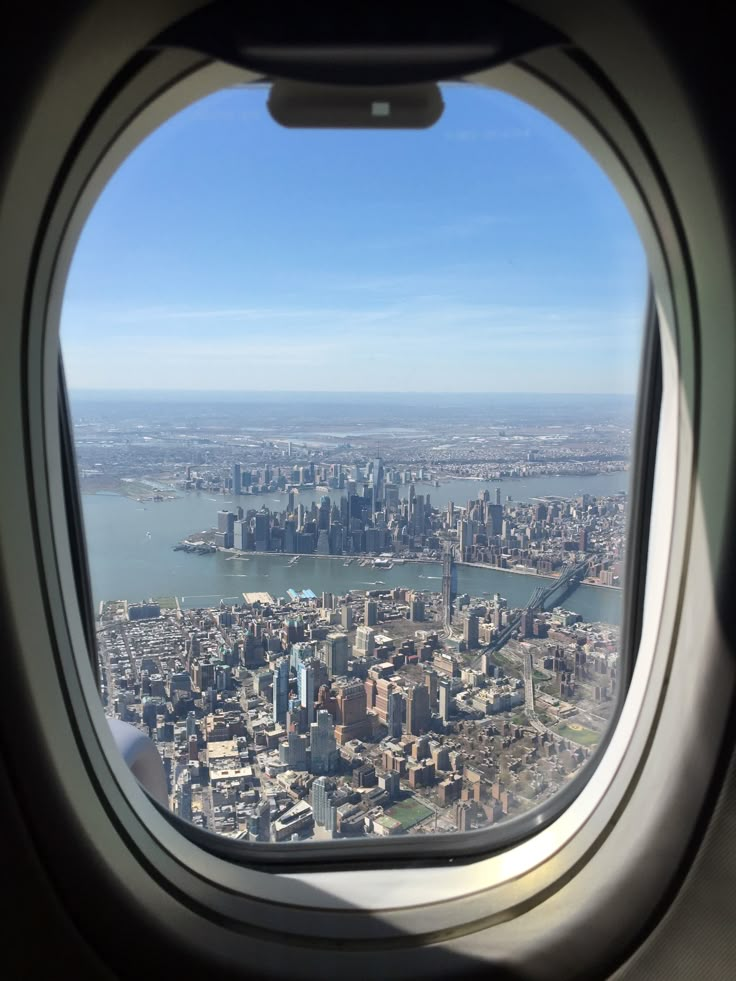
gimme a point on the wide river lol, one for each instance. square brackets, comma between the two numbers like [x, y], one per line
[131, 551]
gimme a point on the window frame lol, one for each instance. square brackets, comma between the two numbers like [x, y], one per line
[537, 870]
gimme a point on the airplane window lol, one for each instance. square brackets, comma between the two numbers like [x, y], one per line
[353, 413]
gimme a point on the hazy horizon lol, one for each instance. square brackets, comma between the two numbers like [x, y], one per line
[257, 395]
[487, 252]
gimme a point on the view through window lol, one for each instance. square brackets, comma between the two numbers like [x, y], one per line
[353, 420]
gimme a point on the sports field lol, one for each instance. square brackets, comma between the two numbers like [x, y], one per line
[579, 734]
[409, 812]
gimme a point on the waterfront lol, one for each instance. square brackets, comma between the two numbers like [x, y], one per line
[131, 555]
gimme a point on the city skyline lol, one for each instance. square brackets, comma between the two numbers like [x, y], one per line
[307, 260]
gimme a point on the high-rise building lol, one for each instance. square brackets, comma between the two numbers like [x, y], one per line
[377, 478]
[262, 531]
[323, 518]
[470, 631]
[395, 715]
[323, 542]
[305, 686]
[293, 752]
[370, 613]
[419, 515]
[225, 526]
[334, 653]
[374, 539]
[465, 536]
[323, 744]
[353, 722]
[325, 815]
[365, 641]
[418, 715]
[416, 608]
[281, 691]
[445, 696]
[240, 535]
[449, 586]
[290, 535]
[236, 478]
[346, 617]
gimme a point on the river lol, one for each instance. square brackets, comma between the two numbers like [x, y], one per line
[131, 555]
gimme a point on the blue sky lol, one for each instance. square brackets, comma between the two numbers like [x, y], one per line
[488, 253]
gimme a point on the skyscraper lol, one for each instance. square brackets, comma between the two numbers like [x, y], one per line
[394, 716]
[445, 693]
[323, 515]
[470, 631]
[321, 795]
[416, 608]
[419, 515]
[263, 531]
[290, 535]
[370, 612]
[377, 481]
[323, 542]
[305, 687]
[365, 641]
[417, 710]
[240, 534]
[448, 590]
[281, 691]
[323, 744]
[353, 723]
[334, 653]
[236, 478]
[225, 526]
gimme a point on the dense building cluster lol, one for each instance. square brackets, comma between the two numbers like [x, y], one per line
[308, 716]
[370, 516]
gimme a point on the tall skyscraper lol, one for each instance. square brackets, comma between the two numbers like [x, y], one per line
[465, 536]
[225, 526]
[417, 710]
[419, 515]
[370, 612]
[305, 685]
[323, 542]
[335, 654]
[377, 481]
[236, 478]
[240, 535]
[263, 531]
[470, 631]
[395, 713]
[353, 723]
[322, 792]
[449, 586]
[445, 693]
[281, 691]
[290, 535]
[323, 519]
[323, 743]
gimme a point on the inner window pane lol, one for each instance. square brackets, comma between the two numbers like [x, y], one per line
[353, 418]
